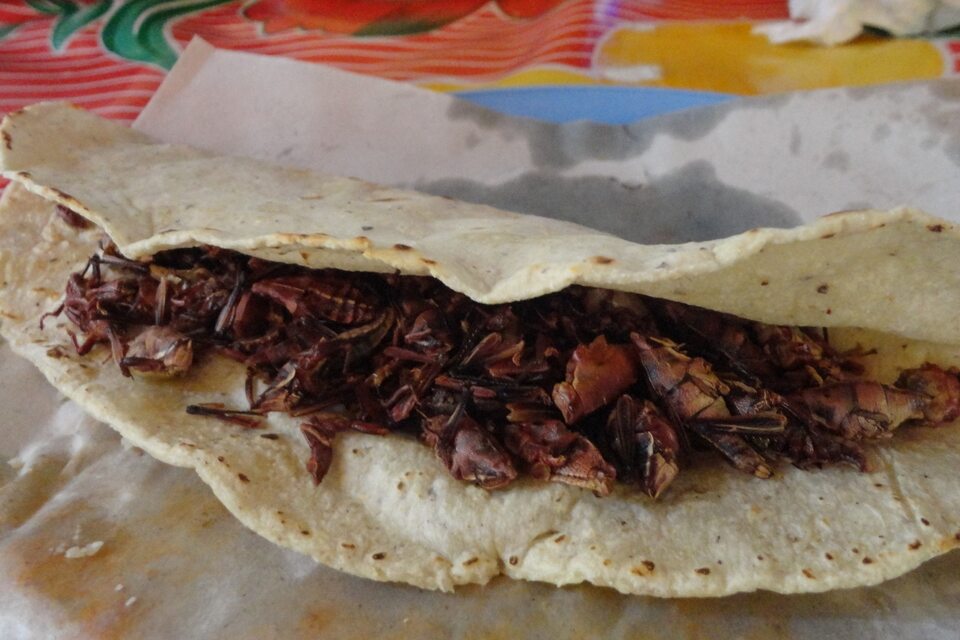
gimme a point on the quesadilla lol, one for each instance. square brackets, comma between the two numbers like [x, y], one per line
[663, 321]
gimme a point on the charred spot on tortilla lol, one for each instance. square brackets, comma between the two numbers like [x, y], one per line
[602, 260]
[56, 352]
[402, 247]
[936, 228]
[7, 140]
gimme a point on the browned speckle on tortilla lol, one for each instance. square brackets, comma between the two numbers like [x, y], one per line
[916, 544]
[560, 538]
[23, 175]
[868, 560]
[471, 561]
[649, 565]
[379, 555]
[365, 227]
[428, 261]
[513, 560]
[704, 571]
[270, 436]
[936, 228]
[956, 536]
[827, 236]
[65, 196]
[304, 532]
[855, 550]
[401, 486]
[828, 556]
[7, 141]
[243, 478]
[602, 260]
[764, 283]
[925, 522]
[363, 238]
[829, 311]
[221, 459]
[823, 288]
[760, 558]
[402, 247]
[808, 574]
[348, 545]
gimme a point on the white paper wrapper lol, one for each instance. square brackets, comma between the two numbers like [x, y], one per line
[173, 563]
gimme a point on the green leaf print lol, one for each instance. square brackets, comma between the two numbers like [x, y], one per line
[75, 19]
[136, 31]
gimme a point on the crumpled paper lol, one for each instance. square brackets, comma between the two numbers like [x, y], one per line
[832, 22]
[154, 553]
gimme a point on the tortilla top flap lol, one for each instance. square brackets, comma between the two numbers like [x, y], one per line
[891, 271]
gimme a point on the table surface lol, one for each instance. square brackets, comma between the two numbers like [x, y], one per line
[611, 61]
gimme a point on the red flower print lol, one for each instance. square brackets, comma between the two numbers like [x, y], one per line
[379, 17]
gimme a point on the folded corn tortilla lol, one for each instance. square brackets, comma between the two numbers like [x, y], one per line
[387, 509]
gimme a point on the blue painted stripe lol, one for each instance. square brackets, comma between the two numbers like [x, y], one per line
[610, 105]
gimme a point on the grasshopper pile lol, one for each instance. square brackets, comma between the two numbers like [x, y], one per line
[585, 386]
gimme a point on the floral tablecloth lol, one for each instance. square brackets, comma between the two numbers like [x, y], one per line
[110, 55]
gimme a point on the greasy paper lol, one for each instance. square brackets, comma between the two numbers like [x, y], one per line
[184, 567]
